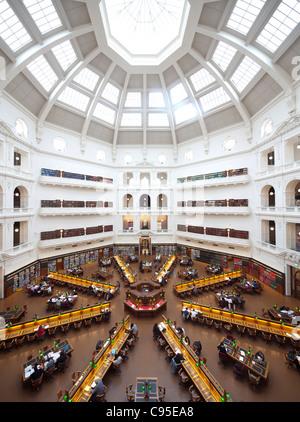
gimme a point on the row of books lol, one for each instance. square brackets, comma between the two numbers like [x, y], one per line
[214, 203]
[57, 203]
[212, 231]
[71, 175]
[57, 234]
[214, 175]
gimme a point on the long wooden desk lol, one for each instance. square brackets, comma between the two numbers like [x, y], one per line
[244, 320]
[79, 282]
[204, 282]
[242, 356]
[29, 327]
[167, 266]
[130, 278]
[100, 364]
[207, 385]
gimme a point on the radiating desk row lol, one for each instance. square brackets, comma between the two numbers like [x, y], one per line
[167, 267]
[207, 385]
[79, 282]
[206, 282]
[30, 327]
[126, 272]
[100, 364]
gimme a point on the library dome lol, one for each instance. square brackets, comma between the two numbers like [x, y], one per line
[77, 65]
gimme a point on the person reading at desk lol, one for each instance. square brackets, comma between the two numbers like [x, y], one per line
[97, 390]
[176, 361]
[38, 370]
[62, 358]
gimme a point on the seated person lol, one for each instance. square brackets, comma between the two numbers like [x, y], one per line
[197, 346]
[98, 390]
[41, 331]
[259, 356]
[49, 364]
[156, 330]
[222, 348]
[176, 361]
[37, 372]
[99, 345]
[180, 331]
[62, 358]
[185, 313]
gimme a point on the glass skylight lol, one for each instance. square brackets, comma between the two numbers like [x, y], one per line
[178, 93]
[44, 14]
[133, 99]
[214, 99]
[131, 119]
[201, 79]
[12, 30]
[104, 113]
[43, 72]
[223, 55]
[87, 78]
[64, 54]
[140, 25]
[74, 98]
[244, 73]
[111, 93]
[284, 20]
[244, 14]
[158, 120]
[156, 99]
[184, 113]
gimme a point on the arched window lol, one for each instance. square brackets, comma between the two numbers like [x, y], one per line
[145, 201]
[21, 128]
[228, 144]
[266, 128]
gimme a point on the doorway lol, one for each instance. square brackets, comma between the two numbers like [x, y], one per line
[145, 245]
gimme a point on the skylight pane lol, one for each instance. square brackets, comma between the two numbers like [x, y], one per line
[156, 99]
[223, 55]
[105, 113]
[87, 78]
[131, 119]
[64, 54]
[43, 72]
[12, 31]
[245, 73]
[201, 79]
[74, 98]
[158, 120]
[44, 14]
[214, 99]
[133, 99]
[178, 93]
[284, 20]
[184, 113]
[111, 93]
[244, 15]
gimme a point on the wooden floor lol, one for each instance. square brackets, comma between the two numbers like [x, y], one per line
[146, 359]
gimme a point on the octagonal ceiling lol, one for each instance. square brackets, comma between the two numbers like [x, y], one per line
[232, 60]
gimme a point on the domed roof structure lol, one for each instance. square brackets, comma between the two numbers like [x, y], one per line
[147, 72]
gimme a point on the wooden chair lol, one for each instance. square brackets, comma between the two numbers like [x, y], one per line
[241, 330]
[223, 357]
[8, 344]
[65, 328]
[265, 314]
[209, 322]
[254, 379]
[169, 352]
[49, 373]
[98, 318]
[184, 378]
[51, 331]
[201, 320]
[295, 343]
[31, 337]
[279, 340]
[88, 322]
[251, 332]
[195, 397]
[101, 397]
[228, 327]
[19, 341]
[77, 324]
[161, 393]
[130, 393]
[124, 352]
[267, 337]
[218, 325]
[238, 369]
[116, 366]
[161, 342]
[75, 376]
[36, 384]
[29, 358]
[289, 361]
[60, 395]
[61, 366]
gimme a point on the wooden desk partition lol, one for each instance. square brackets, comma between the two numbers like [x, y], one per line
[74, 282]
[99, 364]
[146, 389]
[167, 266]
[236, 318]
[29, 327]
[207, 385]
[209, 281]
[130, 278]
